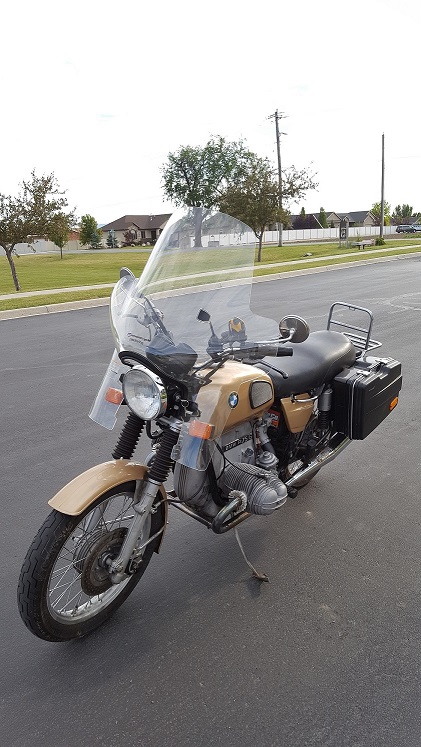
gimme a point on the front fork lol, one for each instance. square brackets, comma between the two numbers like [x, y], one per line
[144, 497]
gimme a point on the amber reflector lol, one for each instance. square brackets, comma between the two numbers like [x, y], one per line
[200, 430]
[115, 396]
[393, 403]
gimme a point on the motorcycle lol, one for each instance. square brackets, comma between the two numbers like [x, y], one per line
[240, 409]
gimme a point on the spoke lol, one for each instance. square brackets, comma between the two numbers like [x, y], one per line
[120, 515]
[89, 601]
[60, 597]
[76, 607]
[65, 585]
[63, 569]
[63, 574]
[102, 521]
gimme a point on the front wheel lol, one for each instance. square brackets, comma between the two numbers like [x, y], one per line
[64, 589]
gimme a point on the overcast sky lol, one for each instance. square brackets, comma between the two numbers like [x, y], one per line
[100, 92]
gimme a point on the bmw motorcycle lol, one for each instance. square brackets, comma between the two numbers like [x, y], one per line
[241, 411]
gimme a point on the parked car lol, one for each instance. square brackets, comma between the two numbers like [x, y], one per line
[408, 229]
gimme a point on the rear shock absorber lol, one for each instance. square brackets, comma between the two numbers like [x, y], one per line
[324, 405]
[129, 437]
[161, 465]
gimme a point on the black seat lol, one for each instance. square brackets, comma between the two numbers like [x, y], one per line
[315, 361]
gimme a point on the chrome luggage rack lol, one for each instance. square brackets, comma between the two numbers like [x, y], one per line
[362, 341]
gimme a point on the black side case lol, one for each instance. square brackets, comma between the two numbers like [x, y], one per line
[364, 395]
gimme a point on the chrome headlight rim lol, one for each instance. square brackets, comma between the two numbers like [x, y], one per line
[158, 399]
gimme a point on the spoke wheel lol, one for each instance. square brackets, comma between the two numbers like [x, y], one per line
[64, 589]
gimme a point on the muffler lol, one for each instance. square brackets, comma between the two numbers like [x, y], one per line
[337, 444]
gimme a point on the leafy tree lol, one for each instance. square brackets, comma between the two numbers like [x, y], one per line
[255, 200]
[59, 231]
[111, 240]
[33, 213]
[129, 237]
[295, 183]
[305, 221]
[90, 234]
[323, 218]
[404, 214]
[199, 176]
[377, 210]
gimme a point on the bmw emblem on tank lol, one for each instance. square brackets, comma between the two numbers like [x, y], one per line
[233, 400]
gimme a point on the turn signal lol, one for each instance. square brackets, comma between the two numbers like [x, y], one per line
[393, 403]
[200, 429]
[115, 396]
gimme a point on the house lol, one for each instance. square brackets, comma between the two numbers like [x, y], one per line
[136, 229]
[355, 218]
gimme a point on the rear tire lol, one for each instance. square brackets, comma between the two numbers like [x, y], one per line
[64, 590]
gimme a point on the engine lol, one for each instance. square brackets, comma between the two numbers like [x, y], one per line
[243, 459]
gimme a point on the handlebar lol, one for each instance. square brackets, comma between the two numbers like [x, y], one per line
[264, 349]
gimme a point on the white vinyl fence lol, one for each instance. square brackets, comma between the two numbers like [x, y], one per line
[43, 247]
[269, 237]
[320, 234]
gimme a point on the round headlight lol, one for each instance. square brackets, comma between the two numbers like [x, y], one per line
[144, 393]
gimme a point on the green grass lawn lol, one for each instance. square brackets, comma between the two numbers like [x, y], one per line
[44, 272]
[287, 253]
[41, 272]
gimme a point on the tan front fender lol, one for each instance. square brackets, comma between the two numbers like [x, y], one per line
[81, 492]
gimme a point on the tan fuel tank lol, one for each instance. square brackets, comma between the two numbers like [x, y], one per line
[236, 393]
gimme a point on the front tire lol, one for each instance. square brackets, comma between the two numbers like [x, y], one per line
[64, 590]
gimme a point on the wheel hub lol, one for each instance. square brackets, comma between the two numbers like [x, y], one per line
[91, 560]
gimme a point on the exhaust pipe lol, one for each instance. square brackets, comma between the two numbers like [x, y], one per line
[330, 453]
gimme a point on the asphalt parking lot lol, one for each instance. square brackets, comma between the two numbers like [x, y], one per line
[326, 655]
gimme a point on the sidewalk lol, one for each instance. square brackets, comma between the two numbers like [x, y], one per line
[28, 294]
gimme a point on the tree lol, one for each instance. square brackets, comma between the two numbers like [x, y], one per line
[33, 213]
[199, 176]
[305, 221]
[59, 231]
[404, 214]
[296, 183]
[255, 201]
[90, 234]
[111, 240]
[323, 218]
[377, 210]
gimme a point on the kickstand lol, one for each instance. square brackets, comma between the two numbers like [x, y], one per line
[256, 574]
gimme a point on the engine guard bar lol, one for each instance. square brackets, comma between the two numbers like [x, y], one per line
[219, 524]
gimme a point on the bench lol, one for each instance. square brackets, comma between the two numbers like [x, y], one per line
[362, 244]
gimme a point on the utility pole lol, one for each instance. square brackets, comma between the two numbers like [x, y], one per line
[382, 197]
[277, 116]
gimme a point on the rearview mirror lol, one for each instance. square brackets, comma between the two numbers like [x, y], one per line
[203, 316]
[294, 329]
[125, 272]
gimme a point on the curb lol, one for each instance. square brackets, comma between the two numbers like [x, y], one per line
[55, 308]
[96, 302]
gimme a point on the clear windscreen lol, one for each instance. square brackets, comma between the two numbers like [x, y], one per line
[195, 286]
